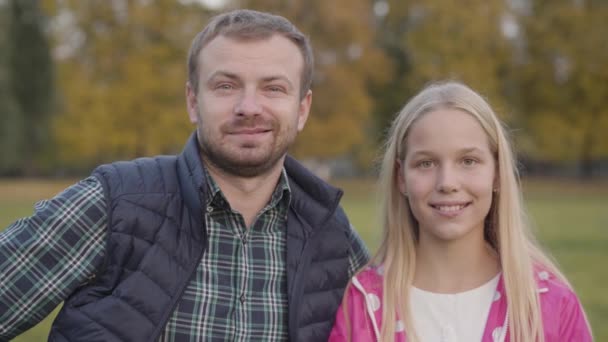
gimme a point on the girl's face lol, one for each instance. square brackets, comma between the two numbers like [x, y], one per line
[448, 175]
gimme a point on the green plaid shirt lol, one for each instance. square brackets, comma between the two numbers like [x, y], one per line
[45, 257]
[238, 292]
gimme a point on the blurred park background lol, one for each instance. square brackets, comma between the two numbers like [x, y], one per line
[85, 82]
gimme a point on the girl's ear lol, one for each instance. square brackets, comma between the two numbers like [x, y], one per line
[400, 171]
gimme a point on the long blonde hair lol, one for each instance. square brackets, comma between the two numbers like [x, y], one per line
[506, 231]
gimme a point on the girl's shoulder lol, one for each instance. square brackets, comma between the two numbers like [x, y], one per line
[554, 293]
[549, 285]
[563, 316]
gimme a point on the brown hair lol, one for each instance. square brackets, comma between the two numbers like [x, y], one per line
[251, 25]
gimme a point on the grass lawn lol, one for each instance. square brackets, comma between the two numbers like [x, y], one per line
[570, 220]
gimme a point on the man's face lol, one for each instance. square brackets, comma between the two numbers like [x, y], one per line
[248, 109]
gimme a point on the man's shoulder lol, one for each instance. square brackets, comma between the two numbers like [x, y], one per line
[313, 198]
[141, 175]
[136, 165]
[310, 183]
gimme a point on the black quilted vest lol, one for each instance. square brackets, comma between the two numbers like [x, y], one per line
[157, 238]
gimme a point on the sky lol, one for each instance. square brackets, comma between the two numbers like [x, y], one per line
[212, 4]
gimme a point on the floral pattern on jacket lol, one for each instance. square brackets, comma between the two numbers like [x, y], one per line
[563, 317]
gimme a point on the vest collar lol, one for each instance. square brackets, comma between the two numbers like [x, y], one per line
[192, 177]
[314, 200]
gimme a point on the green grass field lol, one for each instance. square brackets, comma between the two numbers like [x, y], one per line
[571, 221]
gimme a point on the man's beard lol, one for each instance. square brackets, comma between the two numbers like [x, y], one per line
[239, 162]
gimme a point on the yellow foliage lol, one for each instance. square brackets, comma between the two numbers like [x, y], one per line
[123, 88]
[565, 81]
[460, 41]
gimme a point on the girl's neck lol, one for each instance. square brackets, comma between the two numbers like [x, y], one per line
[454, 267]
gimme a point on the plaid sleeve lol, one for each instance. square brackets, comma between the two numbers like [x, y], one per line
[359, 255]
[45, 257]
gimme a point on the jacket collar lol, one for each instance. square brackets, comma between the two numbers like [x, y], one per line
[314, 200]
[192, 178]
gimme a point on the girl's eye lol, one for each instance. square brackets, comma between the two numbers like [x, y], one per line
[425, 164]
[469, 161]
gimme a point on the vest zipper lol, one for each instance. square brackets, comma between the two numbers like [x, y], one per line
[297, 289]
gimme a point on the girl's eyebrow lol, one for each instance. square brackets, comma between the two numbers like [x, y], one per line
[469, 150]
[421, 152]
[460, 151]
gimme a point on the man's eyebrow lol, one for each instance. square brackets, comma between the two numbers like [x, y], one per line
[222, 73]
[272, 78]
[233, 76]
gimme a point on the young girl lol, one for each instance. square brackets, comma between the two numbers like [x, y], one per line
[457, 262]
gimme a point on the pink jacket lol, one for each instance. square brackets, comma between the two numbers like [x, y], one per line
[563, 317]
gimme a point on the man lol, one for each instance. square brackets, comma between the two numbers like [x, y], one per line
[230, 240]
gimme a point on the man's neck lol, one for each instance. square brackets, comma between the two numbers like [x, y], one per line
[247, 195]
[454, 267]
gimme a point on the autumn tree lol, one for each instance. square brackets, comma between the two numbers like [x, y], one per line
[446, 39]
[10, 139]
[123, 71]
[564, 81]
[391, 24]
[27, 88]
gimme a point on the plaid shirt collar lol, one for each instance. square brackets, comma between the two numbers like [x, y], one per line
[216, 199]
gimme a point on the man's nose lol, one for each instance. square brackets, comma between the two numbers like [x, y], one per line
[248, 104]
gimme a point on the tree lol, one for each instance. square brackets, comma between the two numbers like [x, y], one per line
[122, 76]
[10, 139]
[445, 39]
[28, 90]
[564, 81]
[391, 22]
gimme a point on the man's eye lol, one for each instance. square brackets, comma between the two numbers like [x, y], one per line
[275, 89]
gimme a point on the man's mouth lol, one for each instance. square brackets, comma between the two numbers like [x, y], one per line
[250, 131]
